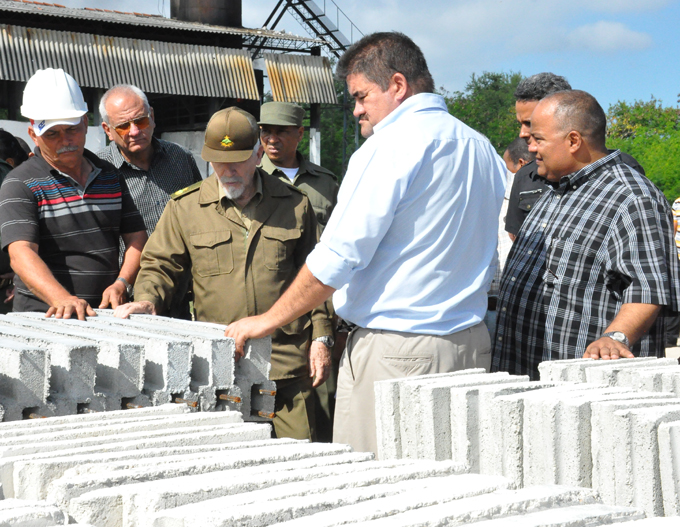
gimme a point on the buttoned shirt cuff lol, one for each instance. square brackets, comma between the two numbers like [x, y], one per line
[322, 328]
[328, 266]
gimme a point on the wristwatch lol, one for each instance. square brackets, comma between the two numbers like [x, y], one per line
[618, 336]
[128, 288]
[326, 341]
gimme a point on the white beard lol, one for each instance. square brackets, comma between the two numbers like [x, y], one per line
[232, 193]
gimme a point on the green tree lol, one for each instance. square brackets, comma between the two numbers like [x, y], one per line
[650, 133]
[487, 104]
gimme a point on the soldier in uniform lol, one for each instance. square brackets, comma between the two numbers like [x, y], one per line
[244, 234]
[281, 131]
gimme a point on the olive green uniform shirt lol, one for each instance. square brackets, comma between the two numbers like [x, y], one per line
[320, 185]
[237, 271]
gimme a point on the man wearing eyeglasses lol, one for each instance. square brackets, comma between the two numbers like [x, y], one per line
[153, 168]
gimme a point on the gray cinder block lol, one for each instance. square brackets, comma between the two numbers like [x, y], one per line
[638, 478]
[24, 377]
[574, 370]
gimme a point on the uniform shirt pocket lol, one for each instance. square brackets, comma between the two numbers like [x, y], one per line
[212, 253]
[279, 247]
[528, 199]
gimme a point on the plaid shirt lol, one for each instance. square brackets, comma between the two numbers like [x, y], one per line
[172, 168]
[602, 238]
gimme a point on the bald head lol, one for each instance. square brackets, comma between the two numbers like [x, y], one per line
[579, 111]
[567, 133]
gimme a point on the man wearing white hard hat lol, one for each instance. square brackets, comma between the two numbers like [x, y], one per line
[61, 212]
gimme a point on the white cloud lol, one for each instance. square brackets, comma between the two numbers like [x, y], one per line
[609, 37]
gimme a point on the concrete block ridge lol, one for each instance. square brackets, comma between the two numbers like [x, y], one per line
[65, 367]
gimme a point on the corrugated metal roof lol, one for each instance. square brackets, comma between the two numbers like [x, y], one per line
[299, 78]
[103, 61]
[141, 19]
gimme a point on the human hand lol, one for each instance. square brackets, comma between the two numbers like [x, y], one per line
[606, 349]
[114, 295]
[319, 361]
[244, 329]
[9, 295]
[143, 307]
[71, 305]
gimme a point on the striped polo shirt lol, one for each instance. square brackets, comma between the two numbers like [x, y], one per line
[76, 228]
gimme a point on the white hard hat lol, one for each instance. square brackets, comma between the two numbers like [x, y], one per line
[52, 95]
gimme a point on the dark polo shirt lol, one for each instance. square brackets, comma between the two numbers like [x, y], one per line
[76, 229]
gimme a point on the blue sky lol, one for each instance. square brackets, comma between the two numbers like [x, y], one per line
[614, 49]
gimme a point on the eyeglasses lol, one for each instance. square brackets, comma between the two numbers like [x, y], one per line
[143, 122]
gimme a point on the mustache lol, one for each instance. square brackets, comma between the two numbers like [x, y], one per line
[226, 179]
[65, 149]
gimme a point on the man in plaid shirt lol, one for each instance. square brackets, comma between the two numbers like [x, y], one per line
[595, 263]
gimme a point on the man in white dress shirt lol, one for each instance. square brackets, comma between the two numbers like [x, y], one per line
[409, 249]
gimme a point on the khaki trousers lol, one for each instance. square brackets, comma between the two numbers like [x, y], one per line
[375, 355]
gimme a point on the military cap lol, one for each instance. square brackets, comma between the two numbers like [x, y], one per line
[230, 136]
[281, 114]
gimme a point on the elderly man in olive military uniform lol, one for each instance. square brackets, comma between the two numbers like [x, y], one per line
[281, 131]
[244, 234]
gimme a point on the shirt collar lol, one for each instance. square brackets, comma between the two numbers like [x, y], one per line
[304, 165]
[419, 101]
[118, 160]
[578, 178]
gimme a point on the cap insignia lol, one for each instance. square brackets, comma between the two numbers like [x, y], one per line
[228, 143]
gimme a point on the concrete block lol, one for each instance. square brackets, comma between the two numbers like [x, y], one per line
[574, 370]
[638, 478]
[388, 417]
[71, 486]
[670, 382]
[646, 379]
[120, 362]
[491, 447]
[210, 435]
[31, 426]
[23, 513]
[605, 425]
[73, 361]
[558, 430]
[141, 501]
[669, 467]
[167, 358]
[654, 522]
[572, 516]
[613, 372]
[232, 511]
[509, 411]
[426, 405]
[24, 378]
[212, 355]
[433, 507]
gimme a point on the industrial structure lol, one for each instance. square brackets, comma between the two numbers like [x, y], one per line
[190, 65]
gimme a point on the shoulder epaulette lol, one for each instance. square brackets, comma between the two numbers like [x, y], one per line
[186, 190]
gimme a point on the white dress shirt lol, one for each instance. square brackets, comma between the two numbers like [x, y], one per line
[411, 243]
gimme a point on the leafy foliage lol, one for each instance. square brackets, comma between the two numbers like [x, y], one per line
[650, 133]
[487, 104]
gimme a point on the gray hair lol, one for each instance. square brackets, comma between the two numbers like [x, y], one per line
[121, 89]
[539, 86]
[579, 111]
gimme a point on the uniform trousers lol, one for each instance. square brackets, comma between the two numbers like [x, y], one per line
[375, 355]
[294, 407]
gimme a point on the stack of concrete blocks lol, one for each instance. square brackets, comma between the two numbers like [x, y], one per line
[63, 367]
[600, 424]
[167, 466]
